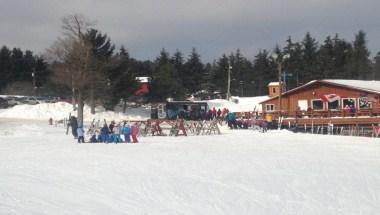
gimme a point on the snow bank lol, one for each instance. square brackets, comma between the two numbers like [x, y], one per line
[61, 110]
[43, 111]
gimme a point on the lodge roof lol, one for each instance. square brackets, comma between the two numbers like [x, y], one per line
[368, 86]
[373, 86]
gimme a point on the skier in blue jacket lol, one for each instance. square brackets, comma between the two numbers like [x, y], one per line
[80, 133]
[127, 133]
[231, 120]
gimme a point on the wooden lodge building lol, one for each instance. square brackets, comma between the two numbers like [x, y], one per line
[341, 102]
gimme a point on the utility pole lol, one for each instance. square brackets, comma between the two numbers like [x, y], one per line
[241, 88]
[279, 67]
[34, 82]
[229, 81]
[279, 62]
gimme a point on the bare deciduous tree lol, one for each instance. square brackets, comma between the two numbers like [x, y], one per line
[72, 56]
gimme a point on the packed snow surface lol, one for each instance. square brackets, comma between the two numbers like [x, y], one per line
[43, 171]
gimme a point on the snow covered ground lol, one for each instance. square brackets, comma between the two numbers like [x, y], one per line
[61, 110]
[43, 171]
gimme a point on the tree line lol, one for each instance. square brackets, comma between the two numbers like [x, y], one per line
[83, 62]
[19, 66]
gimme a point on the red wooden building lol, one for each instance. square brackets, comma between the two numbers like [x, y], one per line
[338, 101]
[143, 88]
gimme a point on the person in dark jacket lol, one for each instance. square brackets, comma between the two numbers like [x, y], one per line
[74, 126]
[112, 125]
[218, 113]
[209, 114]
[352, 110]
[104, 132]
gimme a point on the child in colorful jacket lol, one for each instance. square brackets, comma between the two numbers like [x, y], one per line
[127, 133]
[134, 132]
[116, 134]
[80, 133]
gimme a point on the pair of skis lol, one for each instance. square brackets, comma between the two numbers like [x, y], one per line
[280, 120]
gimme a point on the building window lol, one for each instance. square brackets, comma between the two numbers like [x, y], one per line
[348, 102]
[364, 103]
[333, 105]
[317, 104]
[269, 107]
[273, 90]
[302, 105]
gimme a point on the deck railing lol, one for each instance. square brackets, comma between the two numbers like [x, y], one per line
[326, 113]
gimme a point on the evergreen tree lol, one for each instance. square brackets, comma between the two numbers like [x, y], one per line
[29, 63]
[242, 75]
[41, 72]
[18, 66]
[265, 72]
[208, 83]
[360, 67]
[310, 61]
[165, 80]
[5, 67]
[178, 62]
[122, 79]
[326, 58]
[194, 73]
[376, 67]
[164, 58]
[293, 65]
[219, 74]
[342, 55]
[123, 52]
[101, 51]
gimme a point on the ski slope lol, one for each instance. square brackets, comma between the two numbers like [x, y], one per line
[43, 171]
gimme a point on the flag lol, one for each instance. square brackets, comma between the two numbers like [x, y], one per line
[330, 97]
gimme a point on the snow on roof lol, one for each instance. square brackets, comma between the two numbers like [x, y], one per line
[244, 104]
[273, 84]
[359, 84]
[143, 79]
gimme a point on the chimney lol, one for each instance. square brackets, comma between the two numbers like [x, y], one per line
[274, 89]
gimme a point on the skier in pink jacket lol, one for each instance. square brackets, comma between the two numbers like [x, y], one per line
[134, 132]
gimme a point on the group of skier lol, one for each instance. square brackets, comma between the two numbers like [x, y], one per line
[112, 133]
[127, 133]
[214, 114]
